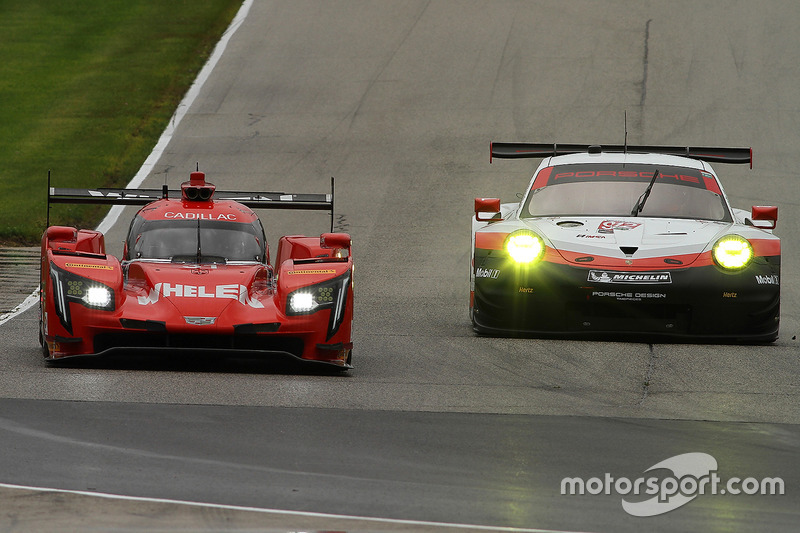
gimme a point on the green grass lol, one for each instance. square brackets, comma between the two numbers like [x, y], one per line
[86, 88]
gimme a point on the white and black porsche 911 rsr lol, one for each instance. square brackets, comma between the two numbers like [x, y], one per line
[637, 240]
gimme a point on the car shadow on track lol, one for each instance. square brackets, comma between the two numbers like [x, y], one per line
[202, 363]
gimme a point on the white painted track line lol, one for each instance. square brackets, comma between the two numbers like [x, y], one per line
[410, 524]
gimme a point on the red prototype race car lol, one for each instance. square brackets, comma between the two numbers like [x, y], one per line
[196, 275]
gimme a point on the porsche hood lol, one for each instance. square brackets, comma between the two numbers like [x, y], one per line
[606, 240]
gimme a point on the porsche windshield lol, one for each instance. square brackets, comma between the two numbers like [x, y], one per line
[196, 241]
[615, 189]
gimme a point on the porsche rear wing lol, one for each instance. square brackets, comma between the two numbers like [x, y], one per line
[253, 200]
[532, 150]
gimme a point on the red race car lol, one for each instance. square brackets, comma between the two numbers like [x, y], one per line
[196, 276]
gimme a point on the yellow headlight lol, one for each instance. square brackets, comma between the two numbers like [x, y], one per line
[732, 252]
[525, 246]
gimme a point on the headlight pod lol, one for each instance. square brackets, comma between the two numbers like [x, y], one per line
[732, 252]
[525, 247]
[310, 299]
[69, 287]
[330, 294]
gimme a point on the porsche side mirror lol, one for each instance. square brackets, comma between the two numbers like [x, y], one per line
[764, 216]
[484, 206]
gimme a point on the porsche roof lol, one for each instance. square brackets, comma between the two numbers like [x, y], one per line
[629, 157]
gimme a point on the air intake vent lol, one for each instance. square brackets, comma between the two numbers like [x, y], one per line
[629, 250]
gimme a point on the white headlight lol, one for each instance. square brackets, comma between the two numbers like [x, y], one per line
[301, 302]
[97, 296]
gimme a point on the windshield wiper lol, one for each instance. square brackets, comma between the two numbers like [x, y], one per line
[643, 198]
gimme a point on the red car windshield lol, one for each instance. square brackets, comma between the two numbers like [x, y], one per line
[196, 241]
[613, 190]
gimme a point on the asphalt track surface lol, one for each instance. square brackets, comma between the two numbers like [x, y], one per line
[435, 428]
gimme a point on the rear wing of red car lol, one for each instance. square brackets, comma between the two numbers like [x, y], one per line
[253, 200]
[533, 150]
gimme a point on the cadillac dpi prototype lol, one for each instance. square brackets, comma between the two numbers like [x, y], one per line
[620, 240]
[196, 277]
